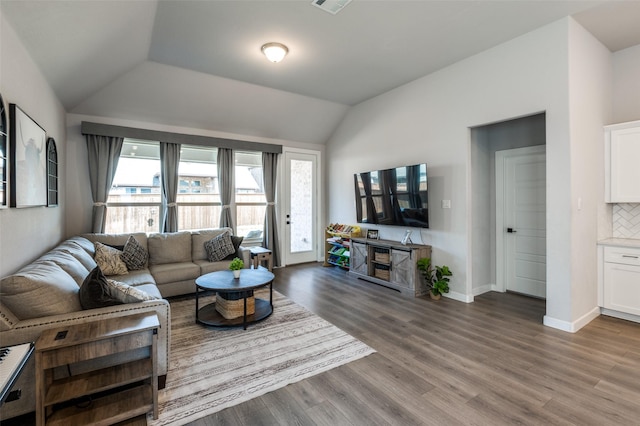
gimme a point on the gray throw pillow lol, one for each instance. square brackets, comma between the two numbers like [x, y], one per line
[94, 291]
[134, 255]
[219, 247]
[236, 246]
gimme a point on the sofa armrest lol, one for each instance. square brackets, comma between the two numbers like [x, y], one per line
[246, 255]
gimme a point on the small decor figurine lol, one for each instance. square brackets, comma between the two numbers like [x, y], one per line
[236, 265]
[436, 279]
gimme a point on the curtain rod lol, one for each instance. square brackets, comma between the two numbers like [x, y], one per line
[88, 128]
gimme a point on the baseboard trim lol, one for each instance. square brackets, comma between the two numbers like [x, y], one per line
[572, 327]
[483, 289]
[620, 315]
[460, 297]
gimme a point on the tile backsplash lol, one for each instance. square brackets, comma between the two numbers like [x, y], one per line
[626, 220]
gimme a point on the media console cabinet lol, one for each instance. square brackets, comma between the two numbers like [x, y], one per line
[389, 263]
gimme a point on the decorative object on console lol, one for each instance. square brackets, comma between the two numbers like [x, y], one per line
[436, 278]
[372, 234]
[236, 265]
[28, 161]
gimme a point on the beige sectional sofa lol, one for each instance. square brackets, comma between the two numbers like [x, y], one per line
[44, 293]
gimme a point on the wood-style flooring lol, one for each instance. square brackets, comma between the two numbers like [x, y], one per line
[490, 362]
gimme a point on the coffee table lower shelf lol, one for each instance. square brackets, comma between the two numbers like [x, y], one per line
[208, 315]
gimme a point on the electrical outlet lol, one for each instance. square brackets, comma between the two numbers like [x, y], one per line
[446, 204]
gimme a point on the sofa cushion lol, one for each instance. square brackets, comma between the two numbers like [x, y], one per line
[135, 278]
[109, 260]
[83, 243]
[173, 247]
[206, 266]
[134, 255]
[117, 239]
[79, 253]
[219, 247]
[172, 272]
[68, 263]
[38, 290]
[198, 238]
[151, 290]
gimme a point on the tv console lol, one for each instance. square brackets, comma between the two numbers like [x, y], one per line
[389, 263]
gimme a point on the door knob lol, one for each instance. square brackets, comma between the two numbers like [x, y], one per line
[511, 230]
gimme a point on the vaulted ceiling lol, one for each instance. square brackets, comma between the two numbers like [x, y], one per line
[198, 63]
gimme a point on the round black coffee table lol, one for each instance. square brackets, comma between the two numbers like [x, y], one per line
[234, 289]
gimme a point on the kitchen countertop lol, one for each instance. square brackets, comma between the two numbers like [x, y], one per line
[620, 242]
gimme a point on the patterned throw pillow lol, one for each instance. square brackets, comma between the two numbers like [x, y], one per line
[134, 255]
[109, 260]
[128, 294]
[219, 247]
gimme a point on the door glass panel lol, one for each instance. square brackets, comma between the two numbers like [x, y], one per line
[301, 228]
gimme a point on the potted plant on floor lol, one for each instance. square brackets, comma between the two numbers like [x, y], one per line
[436, 278]
[236, 265]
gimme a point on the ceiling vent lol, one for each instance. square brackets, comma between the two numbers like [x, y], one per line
[331, 6]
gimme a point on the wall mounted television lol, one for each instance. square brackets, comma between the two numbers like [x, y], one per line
[393, 196]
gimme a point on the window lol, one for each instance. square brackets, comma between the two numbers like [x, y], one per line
[134, 198]
[250, 198]
[198, 192]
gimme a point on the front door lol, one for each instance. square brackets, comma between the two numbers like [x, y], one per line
[301, 221]
[521, 220]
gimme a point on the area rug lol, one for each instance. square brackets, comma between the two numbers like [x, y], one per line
[213, 369]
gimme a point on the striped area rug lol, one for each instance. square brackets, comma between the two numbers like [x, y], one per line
[213, 369]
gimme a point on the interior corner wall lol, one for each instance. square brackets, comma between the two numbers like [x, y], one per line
[428, 120]
[28, 232]
[590, 105]
[626, 85]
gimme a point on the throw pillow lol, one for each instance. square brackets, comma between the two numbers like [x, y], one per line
[95, 292]
[134, 255]
[236, 245]
[109, 260]
[128, 294]
[219, 247]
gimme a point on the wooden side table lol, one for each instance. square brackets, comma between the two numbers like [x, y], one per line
[117, 393]
[260, 255]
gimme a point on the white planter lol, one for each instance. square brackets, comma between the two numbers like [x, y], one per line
[236, 273]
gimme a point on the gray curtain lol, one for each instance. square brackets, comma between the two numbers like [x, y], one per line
[270, 232]
[104, 153]
[169, 161]
[225, 183]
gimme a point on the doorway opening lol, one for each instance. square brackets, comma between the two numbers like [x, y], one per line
[487, 258]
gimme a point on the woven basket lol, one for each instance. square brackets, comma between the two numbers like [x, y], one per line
[381, 257]
[383, 274]
[231, 309]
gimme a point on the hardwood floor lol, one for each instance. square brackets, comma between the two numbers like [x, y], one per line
[491, 362]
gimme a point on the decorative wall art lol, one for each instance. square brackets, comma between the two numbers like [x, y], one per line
[3, 155]
[28, 160]
[52, 173]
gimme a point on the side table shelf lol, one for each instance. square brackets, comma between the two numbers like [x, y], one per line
[132, 385]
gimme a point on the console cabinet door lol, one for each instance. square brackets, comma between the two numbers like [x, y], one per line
[622, 171]
[401, 268]
[359, 258]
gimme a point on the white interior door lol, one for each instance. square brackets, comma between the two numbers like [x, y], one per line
[521, 220]
[301, 221]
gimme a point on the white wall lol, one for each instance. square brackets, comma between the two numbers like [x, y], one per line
[626, 85]
[428, 120]
[590, 105]
[559, 69]
[27, 233]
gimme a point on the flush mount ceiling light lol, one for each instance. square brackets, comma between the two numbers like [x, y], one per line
[275, 52]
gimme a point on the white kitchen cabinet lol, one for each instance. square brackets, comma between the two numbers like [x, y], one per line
[622, 157]
[621, 279]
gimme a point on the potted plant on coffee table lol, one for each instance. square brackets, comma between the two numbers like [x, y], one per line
[236, 265]
[436, 278]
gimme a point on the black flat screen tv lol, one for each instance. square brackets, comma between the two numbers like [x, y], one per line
[393, 196]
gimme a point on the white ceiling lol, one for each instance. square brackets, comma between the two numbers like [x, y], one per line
[95, 51]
